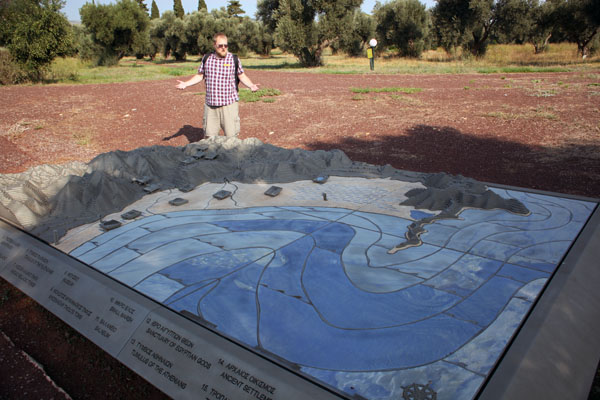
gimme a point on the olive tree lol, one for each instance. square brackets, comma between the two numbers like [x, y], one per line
[306, 28]
[543, 20]
[403, 24]
[465, 23]
[199, 27]
[526, 21]
[170, 32]
[35, 33]
[265, 15]
[579, 21]
[117, 29]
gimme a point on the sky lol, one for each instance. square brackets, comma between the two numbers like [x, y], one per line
[72, 7]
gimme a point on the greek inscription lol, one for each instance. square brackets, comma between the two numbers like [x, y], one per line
[22, 278]
[24, 275]
[144, 348]
[38, 260]
[170, 333]
[66, 299]
[238, 371]
[165, 330]
[261, 384]
[108, 325]
[120, 314]
[237, 376]
[162, 360]
[65, 306]
[217, 395]
[10, 243]
[234, 369]
[72, 276]
[102, 331]
[156, 361]
[124, 307]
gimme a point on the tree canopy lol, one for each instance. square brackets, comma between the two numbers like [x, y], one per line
[579, 21]
[117, 29]
[178, 9]
[465, 23]
[35, 33]
[301, 33]
[403, 24]
[143, 5]
[154, 13]
[234, 9]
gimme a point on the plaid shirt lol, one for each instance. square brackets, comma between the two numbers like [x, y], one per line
[220, 80]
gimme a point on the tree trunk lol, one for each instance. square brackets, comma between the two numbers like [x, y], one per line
[541, 47]
[310, 58]
[479, 45]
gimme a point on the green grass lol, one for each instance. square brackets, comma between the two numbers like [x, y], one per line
[72, 70]
[499, 59]
[266, 95]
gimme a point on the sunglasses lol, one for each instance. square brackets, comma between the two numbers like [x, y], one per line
[222, 46]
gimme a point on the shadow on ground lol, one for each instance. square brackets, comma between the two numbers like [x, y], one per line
[192, 134]
[572, 168]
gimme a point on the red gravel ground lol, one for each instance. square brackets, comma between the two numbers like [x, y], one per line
[537, 131]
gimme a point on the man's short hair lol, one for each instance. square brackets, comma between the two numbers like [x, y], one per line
[218, 35]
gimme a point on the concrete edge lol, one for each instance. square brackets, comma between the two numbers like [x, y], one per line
[555, 353]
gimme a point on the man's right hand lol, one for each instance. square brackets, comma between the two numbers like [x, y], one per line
[181, 85]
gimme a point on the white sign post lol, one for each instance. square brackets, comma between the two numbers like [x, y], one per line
[371, 52]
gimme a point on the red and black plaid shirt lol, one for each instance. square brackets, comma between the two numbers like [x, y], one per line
[219, 76]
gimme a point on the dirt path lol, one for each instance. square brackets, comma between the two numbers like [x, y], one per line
[536, 131]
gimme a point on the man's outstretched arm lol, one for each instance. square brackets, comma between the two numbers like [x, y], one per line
[192, 81]
[246, 81]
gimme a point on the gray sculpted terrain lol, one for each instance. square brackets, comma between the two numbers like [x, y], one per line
[49, 200]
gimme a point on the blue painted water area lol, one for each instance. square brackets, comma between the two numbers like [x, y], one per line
[319, 288]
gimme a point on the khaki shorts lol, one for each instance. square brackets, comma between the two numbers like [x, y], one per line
[226, 117]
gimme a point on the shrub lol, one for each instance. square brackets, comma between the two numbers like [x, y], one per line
[35, 33]
[64, 69]
[10, 72]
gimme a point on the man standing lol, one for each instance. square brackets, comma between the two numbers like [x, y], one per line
[221, 109]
